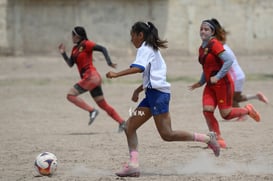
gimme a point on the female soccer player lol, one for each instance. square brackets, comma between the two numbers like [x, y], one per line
[82, 56]
[149, 61]
[236, 72]
[219, 89]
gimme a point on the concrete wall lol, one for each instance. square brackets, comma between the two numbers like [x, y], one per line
[38, 26]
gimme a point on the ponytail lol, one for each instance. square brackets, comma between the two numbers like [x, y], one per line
[150, 34]
[220, 32]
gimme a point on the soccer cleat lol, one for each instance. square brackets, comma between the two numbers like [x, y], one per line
[213, 144]
[122, 126]
[93, 114]
[253, 113]
[262, 97]
[221, 143]
[129, 171]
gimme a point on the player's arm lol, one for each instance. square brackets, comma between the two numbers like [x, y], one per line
[68, 60]
[104, 51]
[198, 84]
[136, 93]
[228, 61]
[131, 70]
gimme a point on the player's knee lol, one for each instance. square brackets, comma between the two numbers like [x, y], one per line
[70, 97]
[166, 136]
[207, 113]
[225, 113]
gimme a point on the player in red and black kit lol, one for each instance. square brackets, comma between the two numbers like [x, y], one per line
[82, 56]
[219, 88]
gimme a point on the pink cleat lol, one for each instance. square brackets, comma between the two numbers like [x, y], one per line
[262, 97]
[129, 171]
[213, 144]
[253, 113]
[221, 143]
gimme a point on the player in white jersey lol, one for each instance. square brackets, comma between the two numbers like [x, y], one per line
[149, 61]
[238, 77]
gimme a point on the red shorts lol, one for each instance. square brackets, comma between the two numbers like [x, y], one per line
[90, 80]
[219, 94]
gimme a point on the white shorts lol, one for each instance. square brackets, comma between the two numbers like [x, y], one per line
[238, 85]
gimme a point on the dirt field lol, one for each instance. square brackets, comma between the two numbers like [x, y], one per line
[36, 117]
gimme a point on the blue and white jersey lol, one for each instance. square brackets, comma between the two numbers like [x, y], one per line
[154, 68]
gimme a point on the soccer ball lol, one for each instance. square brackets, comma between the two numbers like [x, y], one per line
[46, 163]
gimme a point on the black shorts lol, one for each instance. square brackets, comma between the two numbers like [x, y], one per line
[97, 91]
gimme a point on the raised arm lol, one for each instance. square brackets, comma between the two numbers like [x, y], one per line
[68, 60]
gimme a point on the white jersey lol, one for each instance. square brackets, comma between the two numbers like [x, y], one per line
[154, 68]
[236, 71]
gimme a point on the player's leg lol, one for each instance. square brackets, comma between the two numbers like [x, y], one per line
[88, 83]
[259, 96]
[225, 96]
[73, 96]
[237, 98]
[97, 95]
[163, 124]
[209, 105]
[139, 117]
[238, 89]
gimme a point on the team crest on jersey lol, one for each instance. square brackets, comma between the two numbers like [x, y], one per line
[80, 49]
[206, 51]
[221, 101]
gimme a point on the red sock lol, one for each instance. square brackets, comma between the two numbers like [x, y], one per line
[110, 111]
[212, 122]
[79, 102]
[236, 112]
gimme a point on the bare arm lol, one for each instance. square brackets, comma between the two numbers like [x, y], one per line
[128, 71]
[136, 93]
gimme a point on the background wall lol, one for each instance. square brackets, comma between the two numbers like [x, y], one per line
[38, 26]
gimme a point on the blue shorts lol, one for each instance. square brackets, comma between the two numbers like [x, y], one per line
[157, 101]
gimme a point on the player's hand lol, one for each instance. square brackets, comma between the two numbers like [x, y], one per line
[194, 86]
[135, 96]
[213, 80]
[113, 65]
[61, 48]
[111, 75]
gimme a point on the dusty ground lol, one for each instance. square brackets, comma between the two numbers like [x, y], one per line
[36, 117]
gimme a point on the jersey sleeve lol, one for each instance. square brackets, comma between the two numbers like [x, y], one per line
[217, 47]
[142, 58]
[89, 45]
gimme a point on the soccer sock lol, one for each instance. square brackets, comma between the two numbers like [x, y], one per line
[79, 102]
[248, 97]
[212, 122]
[201, 137]
[236, 112]
[134, 158]
[110, 111]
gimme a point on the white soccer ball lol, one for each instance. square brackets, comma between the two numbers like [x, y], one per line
[46, 163]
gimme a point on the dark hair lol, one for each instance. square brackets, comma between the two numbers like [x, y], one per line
[80, 31]
[220, 32]
[150, 34]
